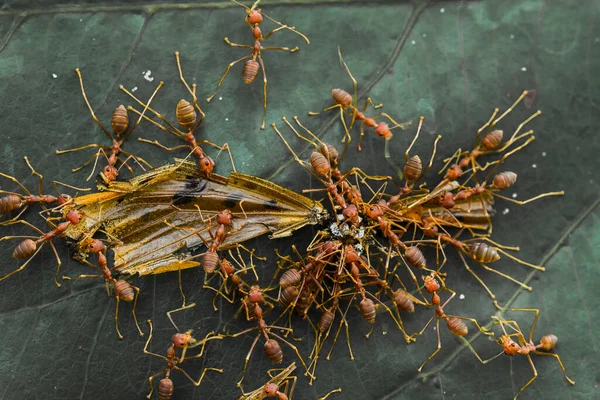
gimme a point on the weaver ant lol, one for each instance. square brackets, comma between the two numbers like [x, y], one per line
[119, 125]
[254, 17]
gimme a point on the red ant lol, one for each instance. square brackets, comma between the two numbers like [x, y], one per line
[166, 387]
[187, 117]
[28, 248]
[123, 289]
[348, 104]
[526, 347]
[254, 17]
[119, 124]
[14, 201]
[455, 323]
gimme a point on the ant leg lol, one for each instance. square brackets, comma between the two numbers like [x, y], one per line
[137, 294]
[110, 136]
[192, 92]
[476, 276]
[244, 46]
[239, 383]
[561, 193]
[290, 28]
[87, 146]
[117, 318]
[58, 263]
[295, 49]
[541, 353]
[338, 390]
[466, 343]
[439, 345]
[201, 376]
[149, 395]
[262, 66]
[162, 146]
[535, 374]
[148, 342]
[208, 100]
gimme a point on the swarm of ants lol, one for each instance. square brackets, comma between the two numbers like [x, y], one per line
[368, 255]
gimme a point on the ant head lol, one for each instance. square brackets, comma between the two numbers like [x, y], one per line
[383, 130]
[224, 217]
[270, 389]
[454, 172]
[96, 246]
[431, 284]
[74, 216]
[64, 199]
[255, 295]
[181, 340]
[509, 346]
[254, 16]
[207, 165]
[110, 173]
[350, 212]
[374, 211]
[226, 267]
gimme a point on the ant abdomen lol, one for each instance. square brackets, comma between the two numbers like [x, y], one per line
[548, 342]
[290, 277]
[250, 71]
[24, 249]
[504, 180]
[120, 120]
[492, 139]
[457, 326]
[165, 389]
[10, 203]
[404, 301]
[325, 320]
[368, 310]
[186, 115]
[413, 168]
[341, 97]
[210, 260]
[287, 296]
[484, 253]
[319, 163]
[124, 290]
[415, 257]
[273, 351]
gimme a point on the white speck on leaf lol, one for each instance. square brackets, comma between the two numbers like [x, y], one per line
[524, 69]
[424, 35]
[533, 165]
[442, 10]
[413, 42]
[226, 119]
[543, 154]
[147, 76]
[220, 98]
[134, 89]
[462, 296]
[54, 76]
[514, 195]
[506, 211]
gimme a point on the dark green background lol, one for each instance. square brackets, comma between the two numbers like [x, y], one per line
[452, 62]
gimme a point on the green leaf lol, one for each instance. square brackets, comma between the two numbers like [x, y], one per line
[452, 62]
